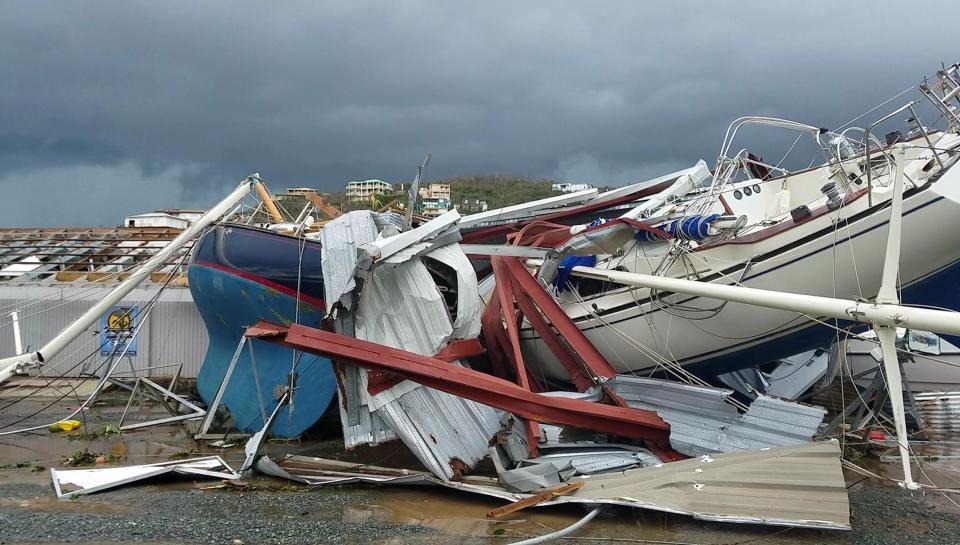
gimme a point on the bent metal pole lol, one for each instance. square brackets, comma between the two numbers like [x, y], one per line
[8, 366]
[937, 321]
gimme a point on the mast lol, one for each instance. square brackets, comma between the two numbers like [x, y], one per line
[269, 203]
[884, 314]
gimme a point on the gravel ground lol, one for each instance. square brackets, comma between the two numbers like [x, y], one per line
[887, 515]
[194, 516]
[175, 512]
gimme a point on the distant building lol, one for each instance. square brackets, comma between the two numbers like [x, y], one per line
[58, 273]
[361, 190]
[472, 206]
[156, 219]
[189, 215]
[433, 207]
[571, 188]
[301, 190]
[435, 191]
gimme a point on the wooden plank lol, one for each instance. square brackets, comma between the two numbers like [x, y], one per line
[536, 499]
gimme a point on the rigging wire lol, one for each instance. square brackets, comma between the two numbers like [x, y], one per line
[170, 275]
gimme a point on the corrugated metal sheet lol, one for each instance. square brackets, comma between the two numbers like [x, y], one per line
[360, 425]
[941, 415]
[701, 421]
[172, 334]
[401, 307]
[445, 432]
[799, 485]
[339, 240]
[589, 458]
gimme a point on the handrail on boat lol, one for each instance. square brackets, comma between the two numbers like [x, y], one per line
[866, 142]
[734, 128]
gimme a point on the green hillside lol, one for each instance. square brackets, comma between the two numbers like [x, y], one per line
[498, 191]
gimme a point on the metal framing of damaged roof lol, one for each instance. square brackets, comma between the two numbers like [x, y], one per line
[467, 383]
[77, 254]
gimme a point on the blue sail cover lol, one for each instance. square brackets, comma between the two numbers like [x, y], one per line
[689, 228]
[567, 264]
[563, 280]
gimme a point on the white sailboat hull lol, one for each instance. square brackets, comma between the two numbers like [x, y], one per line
[817, 257]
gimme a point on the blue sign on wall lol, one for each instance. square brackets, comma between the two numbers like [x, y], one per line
[116, 331]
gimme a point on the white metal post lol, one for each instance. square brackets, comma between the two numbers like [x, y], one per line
[888, 334]
[15, 366]
[78, 326]
[17, 341]
[885, 315]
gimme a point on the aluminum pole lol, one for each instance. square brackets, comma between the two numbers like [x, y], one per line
[924, 319]
[885, 315]
[888, 334]
[75, 329]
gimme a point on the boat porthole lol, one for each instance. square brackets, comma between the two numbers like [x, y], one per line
[756, 188]
[737, 195]
[747, 191]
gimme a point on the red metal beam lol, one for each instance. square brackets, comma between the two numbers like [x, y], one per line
[488, 233]
[575, 369]
[504, 292]
[458, 350]
[378, 381]
[470, 384]
[496, 339]
[594, 360]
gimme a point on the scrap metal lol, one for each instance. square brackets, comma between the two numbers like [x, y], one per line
[797, 485]
[702, 421]
[473, 385]
[74, 482]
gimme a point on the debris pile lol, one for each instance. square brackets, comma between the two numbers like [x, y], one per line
[406, 318]
[570, 340]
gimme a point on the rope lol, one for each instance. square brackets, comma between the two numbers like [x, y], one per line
[560, 533]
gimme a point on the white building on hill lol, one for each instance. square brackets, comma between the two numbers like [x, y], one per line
[360, 190]
[567, 187]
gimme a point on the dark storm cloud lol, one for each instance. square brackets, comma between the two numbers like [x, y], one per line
[119, 107]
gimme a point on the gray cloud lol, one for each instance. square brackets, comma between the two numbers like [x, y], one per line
[184, 99]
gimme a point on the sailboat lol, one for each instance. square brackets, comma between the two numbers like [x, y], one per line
[240, 274]
[815, 231]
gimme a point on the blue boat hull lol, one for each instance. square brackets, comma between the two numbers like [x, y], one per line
[231, 292]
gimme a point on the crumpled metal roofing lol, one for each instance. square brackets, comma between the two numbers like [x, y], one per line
[797, 485]
[401, 307]
[360, 425]
[701, 421]
[73, 482]
[339, 240]
[445, 432]
[941, 415]
[589, 457]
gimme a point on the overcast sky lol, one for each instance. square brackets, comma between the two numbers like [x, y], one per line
[114, 108]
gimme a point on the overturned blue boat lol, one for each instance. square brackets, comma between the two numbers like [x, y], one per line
[239, 275]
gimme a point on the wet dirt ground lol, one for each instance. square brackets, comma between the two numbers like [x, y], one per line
[268, 510]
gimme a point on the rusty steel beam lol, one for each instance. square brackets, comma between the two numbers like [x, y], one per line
[496, 339]
[596, 364]
[500, 231]
[504, 292]
[378, 381]
[469, 384]
[575, 369]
